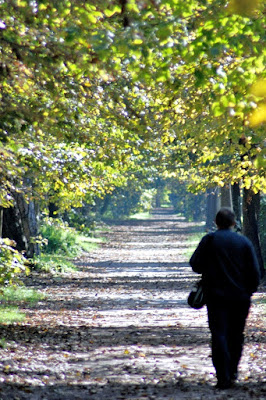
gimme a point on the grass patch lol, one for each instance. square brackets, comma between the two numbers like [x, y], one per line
[54, 264]
[89, 243]
[10, 314]
[192, 242]
[166, 205]
[10, 299]
[140, 215]
[20, 294]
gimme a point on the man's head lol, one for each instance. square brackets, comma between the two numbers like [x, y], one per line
[225, 218]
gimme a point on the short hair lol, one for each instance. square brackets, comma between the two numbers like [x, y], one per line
[225, 218]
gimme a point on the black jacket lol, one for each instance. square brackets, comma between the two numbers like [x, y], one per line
[228, 264]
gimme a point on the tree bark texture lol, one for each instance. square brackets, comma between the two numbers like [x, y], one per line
[197, 211]
[20, 223]
[226, 196]
[236, 199]
[12, 228]
[251, 205]
[212, 207]
[106, 203]
[1, 221]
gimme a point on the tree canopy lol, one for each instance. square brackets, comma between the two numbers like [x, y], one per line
[96, 93]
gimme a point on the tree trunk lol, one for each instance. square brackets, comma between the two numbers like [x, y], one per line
[197, 211]
[251, 203]
[226, 196]
[106, 203]
[1, 221]
[12, 228]
[213, 205]
[236, 198]
[20, 223]
[158, 198]
[29, 222]
[262, 227]
[159, 192]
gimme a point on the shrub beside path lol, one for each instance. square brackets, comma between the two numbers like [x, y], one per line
[120, 328]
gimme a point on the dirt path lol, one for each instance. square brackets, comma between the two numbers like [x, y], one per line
[120, 328]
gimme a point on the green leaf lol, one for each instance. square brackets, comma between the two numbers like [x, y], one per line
[224, 101]
[217, 109]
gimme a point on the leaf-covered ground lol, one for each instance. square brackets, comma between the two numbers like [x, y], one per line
[120, 327]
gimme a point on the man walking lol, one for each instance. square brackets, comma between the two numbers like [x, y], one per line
[230, 273]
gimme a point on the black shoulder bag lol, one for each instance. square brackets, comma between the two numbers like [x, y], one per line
[196, 296]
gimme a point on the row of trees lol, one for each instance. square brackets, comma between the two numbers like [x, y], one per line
[97, 96]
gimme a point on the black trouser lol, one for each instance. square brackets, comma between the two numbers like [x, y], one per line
[227, 322]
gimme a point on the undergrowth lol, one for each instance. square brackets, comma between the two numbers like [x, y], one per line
[58, 238]
[54, 264]
[60, 244]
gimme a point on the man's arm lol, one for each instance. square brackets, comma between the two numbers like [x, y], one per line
[254, 274]
[198, 258]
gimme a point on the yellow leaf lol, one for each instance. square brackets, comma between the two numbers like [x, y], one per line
[243, 7]
[259, 88]
[126, 351]
[42, 7]
[91, 18]
[9, 242]
[110, 13]
[258, 116]
[137, 41]
[22, 3]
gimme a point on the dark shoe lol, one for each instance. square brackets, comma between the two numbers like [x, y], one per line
[224, 385]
